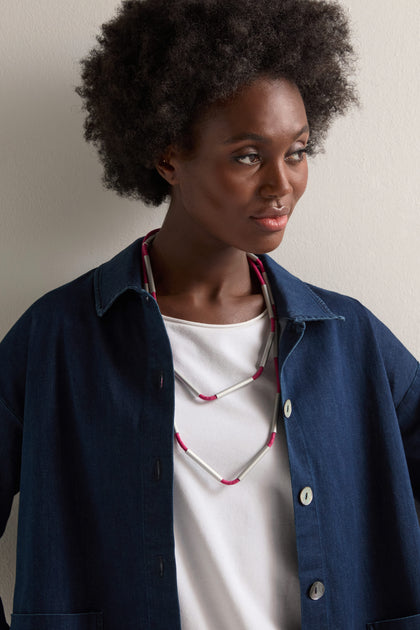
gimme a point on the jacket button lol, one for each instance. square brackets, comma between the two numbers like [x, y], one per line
[287, 408]
[316, 591]
[306, 496]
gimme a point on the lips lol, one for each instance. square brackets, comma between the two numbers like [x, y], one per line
[272, 213]
[272, 219]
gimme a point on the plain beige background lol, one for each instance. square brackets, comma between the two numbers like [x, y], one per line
[356, 230]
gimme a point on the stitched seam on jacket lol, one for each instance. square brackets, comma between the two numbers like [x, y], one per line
[320, 302]
[97, 279]
[409, 388]
[10, 410]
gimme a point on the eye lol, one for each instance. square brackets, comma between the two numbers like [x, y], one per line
[249, 159]
[297, 156]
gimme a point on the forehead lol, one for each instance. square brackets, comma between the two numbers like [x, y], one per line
[269, 108]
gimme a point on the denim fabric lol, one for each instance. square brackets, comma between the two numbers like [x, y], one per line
[86, 434]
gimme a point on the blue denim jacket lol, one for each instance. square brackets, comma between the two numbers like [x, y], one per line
[86, 434]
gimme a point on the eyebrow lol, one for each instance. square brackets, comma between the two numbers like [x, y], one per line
[257, 138]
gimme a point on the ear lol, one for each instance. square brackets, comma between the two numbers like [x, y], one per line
[166, 166]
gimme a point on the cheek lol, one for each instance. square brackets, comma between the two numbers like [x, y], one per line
[220, 186]
[237, 186]
[203, 191]
[211, 185]
[302, 181]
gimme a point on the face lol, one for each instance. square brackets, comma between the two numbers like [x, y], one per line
[247, 171]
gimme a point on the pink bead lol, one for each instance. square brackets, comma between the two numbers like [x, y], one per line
[271, 442]
[180, 442]
[257, 271]
[230, 483]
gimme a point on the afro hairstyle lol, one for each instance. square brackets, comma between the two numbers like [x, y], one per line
[159, 66]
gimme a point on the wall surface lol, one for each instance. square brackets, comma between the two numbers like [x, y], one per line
[357, 230]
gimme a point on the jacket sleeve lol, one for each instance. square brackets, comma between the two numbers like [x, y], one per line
[10, 447]
[403, 372]
[13, 362]
[409, 417]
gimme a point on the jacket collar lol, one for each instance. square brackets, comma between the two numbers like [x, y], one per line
[120, 274]
[295, 299]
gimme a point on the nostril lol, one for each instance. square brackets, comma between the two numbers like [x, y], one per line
[276, 184]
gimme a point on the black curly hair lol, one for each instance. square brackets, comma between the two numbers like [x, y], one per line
[159, 65]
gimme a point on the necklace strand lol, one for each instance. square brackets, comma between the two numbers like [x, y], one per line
[271, 342]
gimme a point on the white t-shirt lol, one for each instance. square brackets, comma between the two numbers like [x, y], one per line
[235, 545]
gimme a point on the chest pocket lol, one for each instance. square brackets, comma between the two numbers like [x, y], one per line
[78, 621]
[404, 623]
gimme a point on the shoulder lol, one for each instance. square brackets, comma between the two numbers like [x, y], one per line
[348, 306]
[36, 338]
[67, 299]
[71, 301]
[91, 293]
[60, 308]
[351, 328]
[303, 301]
[348, 319]
[291, 286]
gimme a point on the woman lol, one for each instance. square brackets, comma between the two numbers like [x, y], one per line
[285, 497]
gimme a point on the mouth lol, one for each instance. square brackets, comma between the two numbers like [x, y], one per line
[272, 219]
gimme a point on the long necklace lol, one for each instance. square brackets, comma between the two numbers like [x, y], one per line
[271, 341]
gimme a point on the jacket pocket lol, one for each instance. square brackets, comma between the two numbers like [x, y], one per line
[403, 623]
[77, 621]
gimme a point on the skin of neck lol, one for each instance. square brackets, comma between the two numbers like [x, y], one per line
[198, 278]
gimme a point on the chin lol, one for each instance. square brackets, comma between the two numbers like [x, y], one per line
[267, 245]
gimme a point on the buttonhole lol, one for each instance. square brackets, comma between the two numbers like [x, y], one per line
[158, 470]
[161, 566]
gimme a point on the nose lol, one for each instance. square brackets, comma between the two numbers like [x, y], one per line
[276, 181]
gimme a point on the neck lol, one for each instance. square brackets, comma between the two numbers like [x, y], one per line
[185, 265]
[200, 280]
